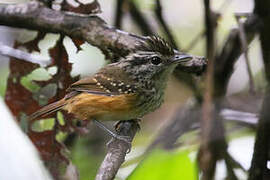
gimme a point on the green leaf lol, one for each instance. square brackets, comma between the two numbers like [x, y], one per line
[43, 125]
[60, 118]
[3, 80]
[169, 165]
[61, 136]
[28, 84]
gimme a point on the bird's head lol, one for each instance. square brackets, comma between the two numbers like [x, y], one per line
[154, 59]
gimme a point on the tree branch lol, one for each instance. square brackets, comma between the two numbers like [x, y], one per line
[11, 52]
[119, 14]
[212, 130]
[182, 122]
[113, 42]
[117, 150]
[260, 159]
[158, 12]
[35, 16]
[244, 47]
[199, 36]
[259, 169]
[139, 19]
[230, 53]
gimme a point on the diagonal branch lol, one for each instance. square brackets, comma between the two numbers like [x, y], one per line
[11, 52]
[230, 53]
[119, 12]
[158, 12]
[244, 46]
[139, 19]
[199, 36]
[113, 42]
[35, 16]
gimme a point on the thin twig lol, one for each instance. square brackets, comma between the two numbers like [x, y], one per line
[164, 25]
[201, 34]
[21, 55]
[235, 164]
[230, 173]
[182, 122]
[244, 46]
[139, 19]
[119, 14]
[259, 169]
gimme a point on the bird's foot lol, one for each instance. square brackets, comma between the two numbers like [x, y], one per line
[125, 139]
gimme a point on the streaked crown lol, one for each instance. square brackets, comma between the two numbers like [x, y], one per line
[156, 44]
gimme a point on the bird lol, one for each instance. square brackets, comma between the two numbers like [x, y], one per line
[127, 89]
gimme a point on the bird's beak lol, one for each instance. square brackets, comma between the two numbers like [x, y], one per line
[178, 58]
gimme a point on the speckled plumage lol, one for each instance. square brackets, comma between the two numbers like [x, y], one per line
[124, 90]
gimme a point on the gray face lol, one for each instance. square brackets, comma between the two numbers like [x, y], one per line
[148, 64]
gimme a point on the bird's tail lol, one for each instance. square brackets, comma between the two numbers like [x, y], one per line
[48, 109]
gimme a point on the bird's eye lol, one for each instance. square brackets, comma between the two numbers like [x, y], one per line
[155, 60]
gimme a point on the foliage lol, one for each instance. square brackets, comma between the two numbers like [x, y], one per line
[162, 164]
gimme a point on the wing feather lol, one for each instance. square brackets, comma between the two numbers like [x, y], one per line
[104, 83]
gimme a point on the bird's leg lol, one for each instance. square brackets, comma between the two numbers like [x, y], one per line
[119, 128]
[111, 133]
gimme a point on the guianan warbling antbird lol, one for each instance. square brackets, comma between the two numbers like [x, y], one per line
[127, 89]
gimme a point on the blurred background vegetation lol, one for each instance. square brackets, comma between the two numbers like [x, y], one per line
[185, 19]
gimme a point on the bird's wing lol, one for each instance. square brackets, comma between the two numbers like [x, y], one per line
[89, 85]
[105, 82]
